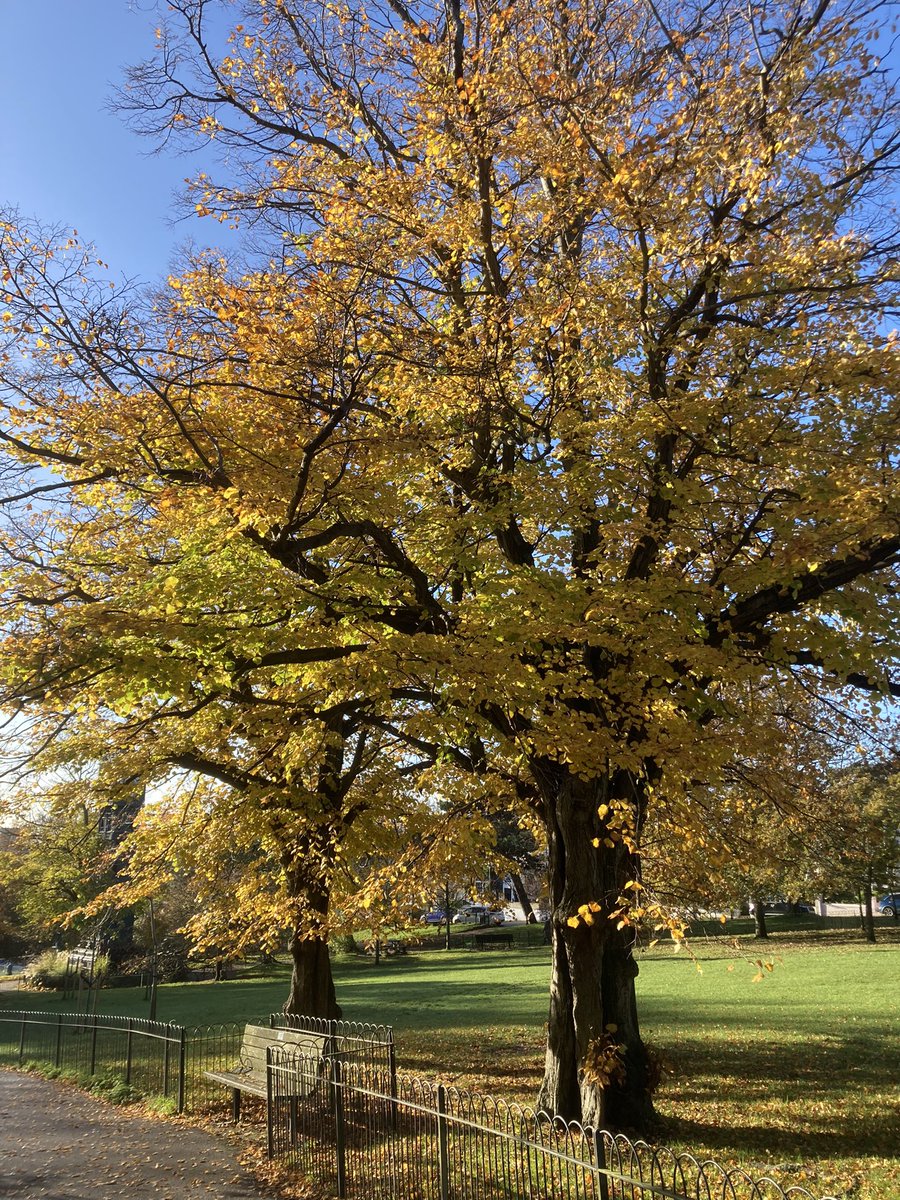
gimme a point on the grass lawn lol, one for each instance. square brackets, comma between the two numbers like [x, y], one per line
[794, 1075]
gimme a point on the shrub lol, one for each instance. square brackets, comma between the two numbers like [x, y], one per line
[48, 970]
[345, 943]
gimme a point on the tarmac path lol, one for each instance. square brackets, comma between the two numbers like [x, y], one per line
[57, 1143]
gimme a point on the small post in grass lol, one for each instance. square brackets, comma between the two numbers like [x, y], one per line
[270, 1105]
[166, 1051]
[392, 1078]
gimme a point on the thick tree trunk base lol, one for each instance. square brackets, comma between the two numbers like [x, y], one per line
[759, 916]
[597, 1070]
[869, 917]
[312, 983]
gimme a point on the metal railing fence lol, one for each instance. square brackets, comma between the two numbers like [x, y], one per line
[214, 1047]
[352, 1041]
[360, 1134]
[148, 1055]
[217, 1047]
[157, 1058]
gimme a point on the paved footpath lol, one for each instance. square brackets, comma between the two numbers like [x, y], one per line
[57, 1143]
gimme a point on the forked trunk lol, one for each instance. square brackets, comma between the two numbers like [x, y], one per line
[596, 1068]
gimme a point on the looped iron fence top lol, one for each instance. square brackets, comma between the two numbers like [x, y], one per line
[361, 1030]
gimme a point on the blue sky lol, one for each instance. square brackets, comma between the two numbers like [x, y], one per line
[63, 159]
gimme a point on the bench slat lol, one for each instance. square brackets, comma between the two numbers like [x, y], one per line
[257, 1040]
[244, 1083]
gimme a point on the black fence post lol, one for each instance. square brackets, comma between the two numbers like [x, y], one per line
[129, 1046]
[600, 1165]
[443, 1143]
[182, 1067]
[58, 1049]
[22, 1036]
[270, 1104]
[94, 1044]
[392, 1079]
[392, 1064]
[166, 1037]
[340, 1141]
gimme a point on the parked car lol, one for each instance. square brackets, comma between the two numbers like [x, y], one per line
[478, 914]
[436, 917]
[783, 908]
[889, 906]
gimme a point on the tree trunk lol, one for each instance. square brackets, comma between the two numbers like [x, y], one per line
[312, 984]
[868, 915]
[759, 916]
[522, 897]
[596, 1065]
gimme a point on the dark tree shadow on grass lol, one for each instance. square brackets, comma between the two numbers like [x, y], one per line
[811, 1086]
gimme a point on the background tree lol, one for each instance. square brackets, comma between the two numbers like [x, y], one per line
[58, 862]
[631, 357]
[518, 846]
[137, 615]
[13, 942]
[861, 849]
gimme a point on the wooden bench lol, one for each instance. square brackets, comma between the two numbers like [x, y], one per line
[250, 1075]
[481, 940]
